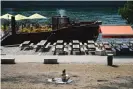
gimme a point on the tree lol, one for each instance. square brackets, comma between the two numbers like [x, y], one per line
[127, 12]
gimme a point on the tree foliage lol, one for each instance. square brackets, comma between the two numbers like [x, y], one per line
[127, 12]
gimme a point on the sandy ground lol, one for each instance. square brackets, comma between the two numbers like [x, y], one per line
[84, 76]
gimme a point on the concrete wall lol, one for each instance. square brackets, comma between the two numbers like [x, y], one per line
[67, 34]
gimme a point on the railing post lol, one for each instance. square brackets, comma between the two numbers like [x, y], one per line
[13, 23]
[109, 59]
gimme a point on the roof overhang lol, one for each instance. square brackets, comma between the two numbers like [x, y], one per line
[116, 31]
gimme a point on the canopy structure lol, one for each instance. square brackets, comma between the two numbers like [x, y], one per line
[6, 16]
[116, 31]
[37, 16]
[20, 17]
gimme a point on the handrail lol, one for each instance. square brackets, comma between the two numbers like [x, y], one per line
[5, 36]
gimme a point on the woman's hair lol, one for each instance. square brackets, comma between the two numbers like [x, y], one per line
[64, 71]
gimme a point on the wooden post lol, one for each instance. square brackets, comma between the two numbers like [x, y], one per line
[13, 23]
[109, 59]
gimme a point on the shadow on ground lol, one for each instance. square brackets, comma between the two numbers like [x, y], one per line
[121, 83]
[125, 82]
[115, 66]
[27, 78]
[129, 57]
[33, 79]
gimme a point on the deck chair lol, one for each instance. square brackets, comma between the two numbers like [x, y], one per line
[21, 46]
[82, 50]
[65, 51]
[31, 46]
[53, 49]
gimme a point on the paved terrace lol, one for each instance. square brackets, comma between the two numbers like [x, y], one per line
[69, 59]
[32, 56]
[15, 50]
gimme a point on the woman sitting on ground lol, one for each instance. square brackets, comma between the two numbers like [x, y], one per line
[65, 77]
